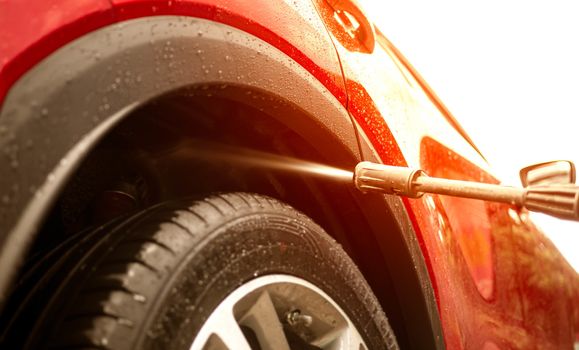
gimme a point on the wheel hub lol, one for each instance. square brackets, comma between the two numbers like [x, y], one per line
[278, 312]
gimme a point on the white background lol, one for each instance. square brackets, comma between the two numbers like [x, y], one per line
[509, 72]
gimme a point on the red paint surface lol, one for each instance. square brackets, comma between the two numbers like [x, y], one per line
[468, 219]
[474, 250]
[473, 241]
[39, 27]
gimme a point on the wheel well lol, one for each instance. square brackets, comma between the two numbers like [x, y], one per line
[206, 139]
[148, 157]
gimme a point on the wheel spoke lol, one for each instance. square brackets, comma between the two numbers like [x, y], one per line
[220, 333]
[263, 320]
[352, 339]
[230, 334]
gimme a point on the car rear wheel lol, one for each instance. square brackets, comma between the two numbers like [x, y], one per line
[230, 271]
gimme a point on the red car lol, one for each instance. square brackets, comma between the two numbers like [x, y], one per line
[149, 197]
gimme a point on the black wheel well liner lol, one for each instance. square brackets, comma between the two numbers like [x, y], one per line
[67, 120]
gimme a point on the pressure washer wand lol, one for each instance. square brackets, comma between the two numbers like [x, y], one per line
[557, 200]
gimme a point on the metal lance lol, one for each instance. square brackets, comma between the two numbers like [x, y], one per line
[561, 201]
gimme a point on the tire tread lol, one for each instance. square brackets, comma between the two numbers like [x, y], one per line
[132, 262]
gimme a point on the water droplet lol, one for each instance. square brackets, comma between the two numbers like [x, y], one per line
[44, 112]
[5, 199]
[140, 298]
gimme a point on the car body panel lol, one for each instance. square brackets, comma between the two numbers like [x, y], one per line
[548, 287]
[496, 297]
[471, 247]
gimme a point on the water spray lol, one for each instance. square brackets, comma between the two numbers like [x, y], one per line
[548, 188]
[560, 200]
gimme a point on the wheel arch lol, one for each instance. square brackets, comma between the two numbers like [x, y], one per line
[57, 112]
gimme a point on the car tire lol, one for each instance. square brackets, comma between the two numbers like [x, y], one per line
[154, 280]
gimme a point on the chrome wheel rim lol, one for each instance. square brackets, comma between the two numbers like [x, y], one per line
[273, 310]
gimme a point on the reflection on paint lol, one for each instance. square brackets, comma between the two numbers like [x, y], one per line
[468, 218]
[470, 224]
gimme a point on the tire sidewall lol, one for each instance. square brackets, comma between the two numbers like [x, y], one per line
[251, 246]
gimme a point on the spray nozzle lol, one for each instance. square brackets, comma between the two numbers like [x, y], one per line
[374, 177]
